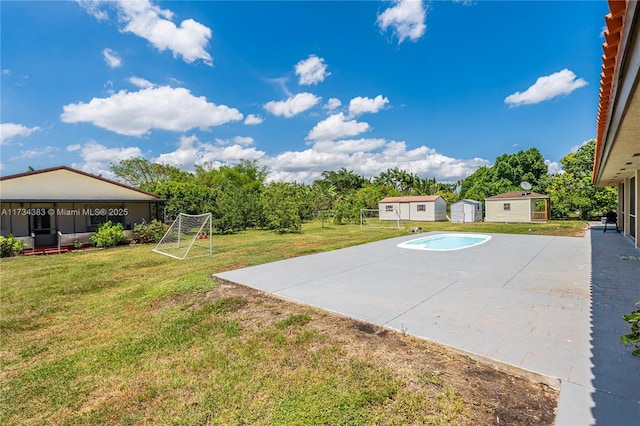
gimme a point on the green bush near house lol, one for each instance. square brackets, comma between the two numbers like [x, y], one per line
[149, 232]
[11, 246]
[108, 234]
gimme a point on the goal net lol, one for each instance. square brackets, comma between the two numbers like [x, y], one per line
[188, 236]
[370, 218]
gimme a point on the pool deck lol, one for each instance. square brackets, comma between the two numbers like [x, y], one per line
[545, 307]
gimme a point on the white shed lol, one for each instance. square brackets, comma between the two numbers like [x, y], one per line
[419, 208]
[466, 211]
[523, 207]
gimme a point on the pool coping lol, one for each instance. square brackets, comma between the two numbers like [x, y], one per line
[410, 246]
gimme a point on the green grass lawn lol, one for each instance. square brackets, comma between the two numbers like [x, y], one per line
[128, 336]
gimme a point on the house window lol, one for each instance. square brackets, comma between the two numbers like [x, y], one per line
[388, 208]
[421, 208]
[96, 218]
[507, 206]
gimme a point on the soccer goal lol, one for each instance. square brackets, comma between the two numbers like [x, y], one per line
[188, 236]
[370, 218]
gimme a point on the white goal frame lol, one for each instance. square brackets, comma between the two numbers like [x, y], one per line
[363, 219]
[185, 234]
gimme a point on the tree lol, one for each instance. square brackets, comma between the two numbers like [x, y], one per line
[522, 166]
[281, 207]
[237, 188]
[572, 192]
[344, 181]
[580, 163]
[449, 197]
[143, 174]
[484, 183]
[248, 174]
[234, 208]
[185, 197]
[398, 179]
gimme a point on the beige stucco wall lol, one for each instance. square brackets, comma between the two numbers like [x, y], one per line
[520, 210]
[64, 184]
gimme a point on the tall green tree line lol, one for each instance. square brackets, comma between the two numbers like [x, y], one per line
[239, 196]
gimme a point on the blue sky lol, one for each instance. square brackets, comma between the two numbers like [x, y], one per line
[437, 88]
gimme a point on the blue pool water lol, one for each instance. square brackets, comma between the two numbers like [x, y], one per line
[444, 242]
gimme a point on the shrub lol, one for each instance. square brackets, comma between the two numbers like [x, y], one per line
[108, 234]
[633, 339]
[150, 232]
[11, 246]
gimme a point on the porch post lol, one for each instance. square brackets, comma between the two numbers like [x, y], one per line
[547, 203]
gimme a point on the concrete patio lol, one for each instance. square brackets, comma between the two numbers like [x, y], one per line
[551, 306]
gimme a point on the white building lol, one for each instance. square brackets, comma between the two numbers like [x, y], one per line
[419, 208]
[519, 207]
[466, 211]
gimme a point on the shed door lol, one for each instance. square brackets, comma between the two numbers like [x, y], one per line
[469, 213]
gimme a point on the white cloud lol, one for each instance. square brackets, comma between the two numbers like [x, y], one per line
[93, 8]
[575, 148]
[243, 140]
[97, 157]
[374, 157]
[547, 87]
[337, 126]
[137, 113]
[332, 104]
[149, 21]
[112, 58]
[280, 82]
[293, 105]
[140, 82]
[360, 105]
[553, 167]
[312, 70]
[35, 152]
[367, 157]
[108, 87]
[349, 146]
[9, 131]
[191, 152]
[74, 147]
[238, 140]
[253, 119]
[406, 18]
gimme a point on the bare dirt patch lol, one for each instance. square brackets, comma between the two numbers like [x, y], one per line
[490, 395]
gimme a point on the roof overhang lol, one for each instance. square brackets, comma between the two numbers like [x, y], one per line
[617, 153]
[85, 201]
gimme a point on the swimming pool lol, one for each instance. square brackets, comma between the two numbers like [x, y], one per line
[446, 242]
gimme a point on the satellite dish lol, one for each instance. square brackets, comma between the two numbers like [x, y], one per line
[526, 186]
